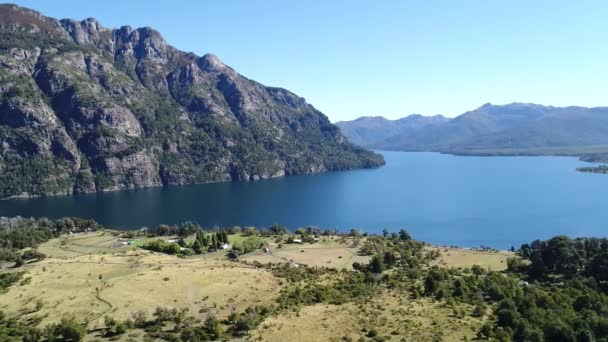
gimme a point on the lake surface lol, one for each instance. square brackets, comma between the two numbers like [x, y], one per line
[466, 201]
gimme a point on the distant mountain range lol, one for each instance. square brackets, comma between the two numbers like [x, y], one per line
[86, 108]
[511, 129]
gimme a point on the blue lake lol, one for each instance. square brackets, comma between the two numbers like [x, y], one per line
[466, 201]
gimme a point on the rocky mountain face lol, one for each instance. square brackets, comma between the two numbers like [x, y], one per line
[516, 128]
[85, 108]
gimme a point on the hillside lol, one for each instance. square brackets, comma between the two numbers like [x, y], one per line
[372, 130]
[85, 108]
[516, 128]
[71, 280]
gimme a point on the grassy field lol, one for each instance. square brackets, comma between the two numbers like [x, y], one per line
[388, 315]
[103, 242]
[93, 275]
[326, 253]
[461, 257]
[81, 278]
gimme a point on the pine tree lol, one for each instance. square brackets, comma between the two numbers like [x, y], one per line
[196, 246]
[200, 235]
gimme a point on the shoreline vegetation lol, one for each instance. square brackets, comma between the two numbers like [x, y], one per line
[72, 279]
[589, 158]
[594, 169]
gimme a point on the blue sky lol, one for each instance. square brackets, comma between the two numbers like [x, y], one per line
[390, 58]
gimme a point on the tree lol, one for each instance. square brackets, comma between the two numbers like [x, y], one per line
[277, 229]
[389, 259]
[507, 317]
[432, 282]
[66, 330]
[214, 242]
[196, 246]
[213, 328]
[248, 231]
[377, 264]
[559, 332]
[385, 232]
[404, 235]
[477, 270]
[598, 267]
[163, 229]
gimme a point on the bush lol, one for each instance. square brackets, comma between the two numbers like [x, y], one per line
[66, 330]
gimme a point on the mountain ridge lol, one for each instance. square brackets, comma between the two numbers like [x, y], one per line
[86, 108]
[514, 128]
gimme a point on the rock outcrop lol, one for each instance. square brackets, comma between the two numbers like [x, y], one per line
[86, 108]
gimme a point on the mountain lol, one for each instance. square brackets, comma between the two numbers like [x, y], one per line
[85, 108]
[516, 128]
[372, 130]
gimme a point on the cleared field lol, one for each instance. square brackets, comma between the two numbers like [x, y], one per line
[103, 242]
[460, 257]
[92, 275]
[391, 316]
[323, 254]
[90, 287]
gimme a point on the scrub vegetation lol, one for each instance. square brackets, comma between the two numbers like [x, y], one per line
[186, 283]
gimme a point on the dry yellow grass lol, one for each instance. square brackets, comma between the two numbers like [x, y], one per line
[90, 276]
[311, 323]
[392, 316]
[461, 257]
[90, 287]
[103, 242]
[325, 254]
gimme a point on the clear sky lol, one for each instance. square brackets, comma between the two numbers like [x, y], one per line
[351, 58]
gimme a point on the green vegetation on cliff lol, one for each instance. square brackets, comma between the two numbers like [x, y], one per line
[84, 108]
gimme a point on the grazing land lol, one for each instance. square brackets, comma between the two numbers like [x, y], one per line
[71, 280]
[463, 258]
[107, 279]
[329, 252]
[390, 314]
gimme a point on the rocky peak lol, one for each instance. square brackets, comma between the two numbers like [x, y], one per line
[24, 19]
[211, 63]
[87, 31]
[148, 43]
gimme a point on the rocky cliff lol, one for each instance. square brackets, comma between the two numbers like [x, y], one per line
[85, 108]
